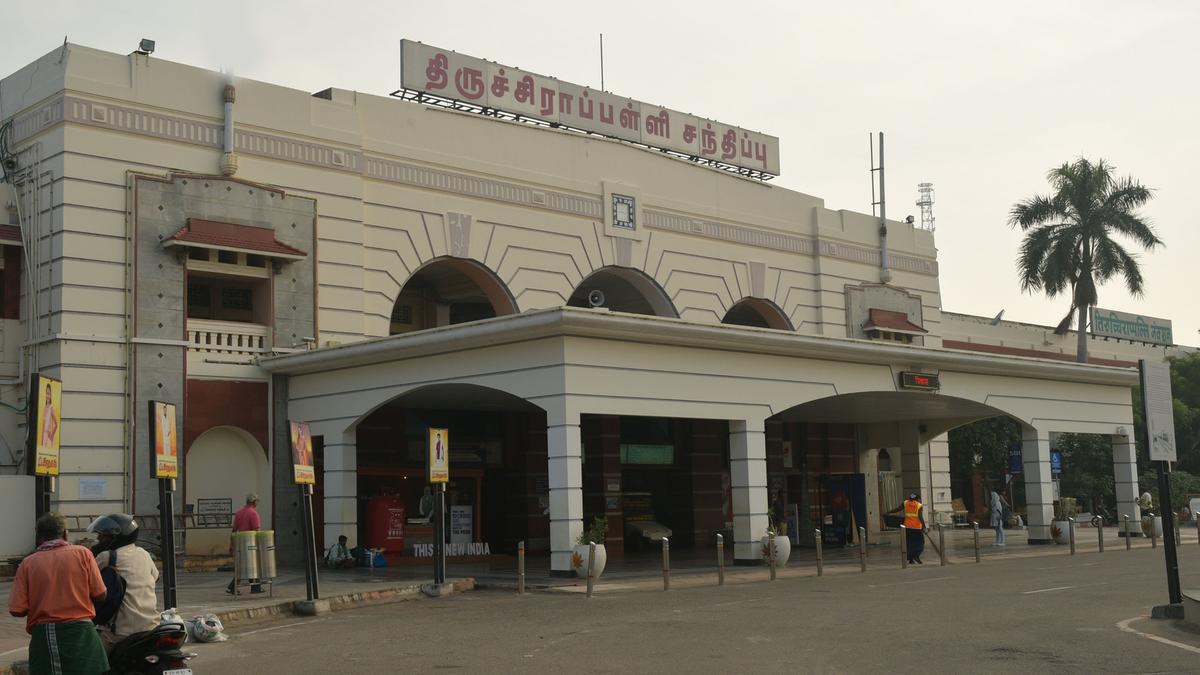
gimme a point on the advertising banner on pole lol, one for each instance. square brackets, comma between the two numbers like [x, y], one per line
[439, 455]
[164, 447]
[302, 454]
[47, 424]
[1160, 411]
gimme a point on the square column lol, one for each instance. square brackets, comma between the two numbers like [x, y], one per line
[340, 480]
[914, 466]
[939, 479]
[748, 473]
[1126, 485]
[1039, 491]
[565, 464]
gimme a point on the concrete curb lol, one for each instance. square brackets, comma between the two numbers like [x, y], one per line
[336, 603]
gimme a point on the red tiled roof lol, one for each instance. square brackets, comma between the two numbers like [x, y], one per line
[10, 233]
[212, 234]
[882, 319]
[1035, 353]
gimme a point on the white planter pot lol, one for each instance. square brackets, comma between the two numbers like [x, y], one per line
[579, 561]
[783, 549]
[1060, 531]
[1156, 526]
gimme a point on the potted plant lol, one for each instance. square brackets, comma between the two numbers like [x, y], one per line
[1060, 528]
[783, 547]
[579, 557]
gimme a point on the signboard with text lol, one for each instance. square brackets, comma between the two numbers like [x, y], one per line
[448, 74]
[164, 442]
[439, 455]
[1160, 412]
[46, 424]
[302, 454]
[1107, 323]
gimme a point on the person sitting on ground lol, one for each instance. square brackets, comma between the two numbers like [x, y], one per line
[116, 548]
[339, 556]
[54, 590]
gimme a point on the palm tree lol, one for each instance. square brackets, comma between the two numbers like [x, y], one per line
[1068, 237]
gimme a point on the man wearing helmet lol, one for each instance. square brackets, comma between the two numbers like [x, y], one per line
[117, 533]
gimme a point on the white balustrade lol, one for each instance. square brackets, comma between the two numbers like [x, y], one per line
[228, 337]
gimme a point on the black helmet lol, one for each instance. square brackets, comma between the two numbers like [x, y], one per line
[114, 530]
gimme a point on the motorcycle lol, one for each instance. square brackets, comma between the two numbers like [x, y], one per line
[152, 652]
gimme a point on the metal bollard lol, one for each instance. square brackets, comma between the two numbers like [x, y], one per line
[1128, 534]
[941, 545]
[771, 553]
[903, 547]
[521, 568]
[1099, 522]
[1153, 535]
[1071, 533]
[862, 548]
[720, 560]
[666, 564]
[820, 562]
[1197, 517]
[591, 579]
[975, 528]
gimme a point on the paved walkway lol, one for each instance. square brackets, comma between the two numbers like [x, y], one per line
[204, 592]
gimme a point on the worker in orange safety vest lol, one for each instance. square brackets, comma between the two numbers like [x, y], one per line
[914, 528]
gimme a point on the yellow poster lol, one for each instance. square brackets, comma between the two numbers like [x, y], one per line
[166, 445]
[439, 456]
[48, 425]
[302, 454]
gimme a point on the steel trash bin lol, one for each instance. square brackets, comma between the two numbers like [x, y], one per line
[265, 540]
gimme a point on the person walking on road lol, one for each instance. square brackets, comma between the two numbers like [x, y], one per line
[54, 590]
[999, 507]
[914, 528]
[246, 520]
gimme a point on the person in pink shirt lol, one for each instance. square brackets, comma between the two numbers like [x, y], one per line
[246, 520]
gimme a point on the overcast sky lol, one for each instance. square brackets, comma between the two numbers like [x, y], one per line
[981, 99]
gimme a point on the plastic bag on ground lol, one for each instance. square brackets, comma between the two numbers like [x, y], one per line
[206, 628]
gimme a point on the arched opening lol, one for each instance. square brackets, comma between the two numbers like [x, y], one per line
[449, 291]
[222, 466]
[623, 289]
[498, 462]
[757, 313]
[846, 461]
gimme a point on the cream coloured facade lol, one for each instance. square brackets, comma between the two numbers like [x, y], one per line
[367, 265]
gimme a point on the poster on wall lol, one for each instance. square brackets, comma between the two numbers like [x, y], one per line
[302, 454]
[164, 447]
[47, 424]
[439, 455]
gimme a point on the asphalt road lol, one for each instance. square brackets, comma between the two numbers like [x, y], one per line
[1081, 614]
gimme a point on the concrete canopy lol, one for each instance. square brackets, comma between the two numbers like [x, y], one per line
[887, 406]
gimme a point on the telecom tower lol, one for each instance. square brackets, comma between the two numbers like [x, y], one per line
[925, 190]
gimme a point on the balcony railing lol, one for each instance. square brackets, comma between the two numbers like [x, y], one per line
[228, 337]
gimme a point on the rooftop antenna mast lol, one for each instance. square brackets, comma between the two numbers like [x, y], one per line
[925, 201]
[885, 273]
[602, 62]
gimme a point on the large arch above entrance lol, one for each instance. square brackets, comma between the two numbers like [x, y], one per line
[224, 463]
[498, 490]
[623, 289]
[448, 291]
[757, 313]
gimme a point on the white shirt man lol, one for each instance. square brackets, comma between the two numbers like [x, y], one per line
[139, 609]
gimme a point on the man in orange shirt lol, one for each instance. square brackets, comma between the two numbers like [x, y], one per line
[54, 590]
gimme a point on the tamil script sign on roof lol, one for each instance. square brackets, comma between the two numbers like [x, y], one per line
[1107, 323]
[448, 74]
